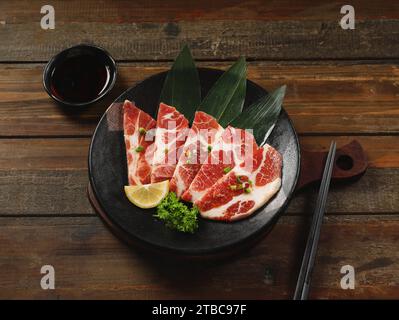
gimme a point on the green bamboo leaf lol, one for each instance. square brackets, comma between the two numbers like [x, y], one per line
[226, 97]
[262, 115]
[182, 88]
[236, 103]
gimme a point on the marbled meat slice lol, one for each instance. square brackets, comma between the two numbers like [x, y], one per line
[171, 133]
[244, 189]
[233, 147]
[202, 135]
[138, 126]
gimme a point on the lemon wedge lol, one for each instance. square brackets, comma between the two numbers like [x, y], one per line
[147, 195]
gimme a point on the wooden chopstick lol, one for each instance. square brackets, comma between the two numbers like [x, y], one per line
[303, 283]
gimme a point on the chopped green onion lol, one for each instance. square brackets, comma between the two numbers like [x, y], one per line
[227, 170]
[238, 178]
[247, 190]
[139, 149]
[209, 148]
[142, 131]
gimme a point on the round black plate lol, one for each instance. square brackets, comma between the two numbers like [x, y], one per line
[108, 176]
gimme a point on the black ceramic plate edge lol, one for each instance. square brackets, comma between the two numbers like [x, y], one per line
[197, 252]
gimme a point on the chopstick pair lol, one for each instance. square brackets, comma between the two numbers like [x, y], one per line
[305, 273]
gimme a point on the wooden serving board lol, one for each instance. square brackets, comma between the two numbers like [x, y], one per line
[350, 164]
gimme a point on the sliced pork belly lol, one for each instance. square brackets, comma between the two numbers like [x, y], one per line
[244, 189]
[137, 126]
[171, 133]
[202, 135]
[230, 149]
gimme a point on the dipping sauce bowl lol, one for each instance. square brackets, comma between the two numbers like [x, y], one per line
[80, 75]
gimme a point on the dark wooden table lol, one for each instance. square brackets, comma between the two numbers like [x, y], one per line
[342, 85]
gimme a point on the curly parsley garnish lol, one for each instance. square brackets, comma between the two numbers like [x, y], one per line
[177, 215]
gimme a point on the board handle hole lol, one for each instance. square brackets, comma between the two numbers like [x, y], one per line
[344, 162]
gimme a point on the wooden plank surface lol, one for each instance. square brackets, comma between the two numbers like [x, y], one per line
[290, 40]
[342, 85]
[220, 36]
[125, 11]
[90, 263]
[71, 153]
[323, 98]
[49, 177]
[63, 192]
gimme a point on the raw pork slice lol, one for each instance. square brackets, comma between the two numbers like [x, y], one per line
[203, 133]
[137, 126]
[230, 149]
[244, 189]
[171, 133]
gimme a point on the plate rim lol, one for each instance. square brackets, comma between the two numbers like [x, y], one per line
[197, 252]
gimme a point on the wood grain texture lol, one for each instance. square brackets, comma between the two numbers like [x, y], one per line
[381, 151]
[333, 92]
[225, 30]
[226, 40]
[324, 98]
[63, 192]
[90, 263]
[49, 177]
[71, 153]
[125, 11]
[44, 154]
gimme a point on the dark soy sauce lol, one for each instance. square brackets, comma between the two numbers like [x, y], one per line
[80, 79]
